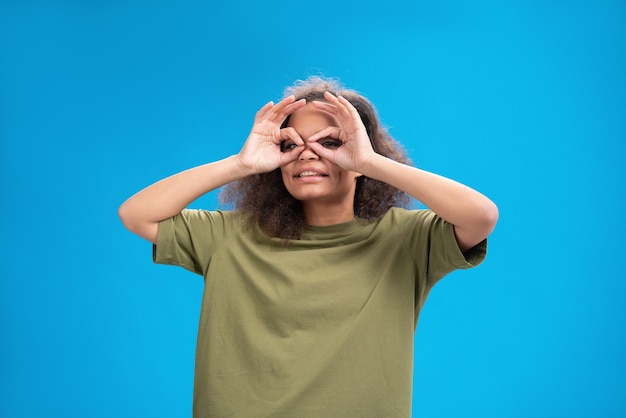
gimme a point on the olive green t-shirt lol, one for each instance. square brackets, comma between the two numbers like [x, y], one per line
[321, 327]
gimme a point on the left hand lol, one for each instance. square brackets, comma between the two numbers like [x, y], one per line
[356, 149]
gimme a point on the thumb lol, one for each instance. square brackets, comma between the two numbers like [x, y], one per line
[322, 151]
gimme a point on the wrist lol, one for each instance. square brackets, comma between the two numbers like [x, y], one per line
[242, 169]
[372, 165]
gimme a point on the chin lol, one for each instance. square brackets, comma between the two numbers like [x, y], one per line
[307, 196]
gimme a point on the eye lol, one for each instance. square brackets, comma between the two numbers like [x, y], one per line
[287, 146]
[330, 143]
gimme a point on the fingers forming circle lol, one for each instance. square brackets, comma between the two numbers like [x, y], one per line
[329, 132]
[260, 115]
[291, 133]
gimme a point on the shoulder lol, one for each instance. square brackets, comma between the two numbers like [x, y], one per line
[403, 218]
[210, 216]
[416, 226]
[200, 222]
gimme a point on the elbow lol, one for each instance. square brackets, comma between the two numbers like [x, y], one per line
[126, 216]
[489, 215]
[122, 213]
[133, 221]
[478, 226]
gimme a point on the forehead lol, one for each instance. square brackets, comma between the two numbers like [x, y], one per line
[309, 120]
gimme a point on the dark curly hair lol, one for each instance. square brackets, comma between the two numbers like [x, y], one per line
[268, 204]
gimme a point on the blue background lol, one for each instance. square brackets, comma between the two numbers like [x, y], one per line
[523, 100]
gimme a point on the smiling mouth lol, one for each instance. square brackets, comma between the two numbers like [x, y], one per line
[311, 174]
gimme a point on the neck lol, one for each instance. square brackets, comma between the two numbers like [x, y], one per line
[317, 214]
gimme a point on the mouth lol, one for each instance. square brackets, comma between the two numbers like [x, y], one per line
[310, 173]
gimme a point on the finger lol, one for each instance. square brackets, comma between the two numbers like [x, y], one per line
[263, 111]
[330, 97]
[344, 107]
[291, 133]
[340, 111]
[285, 102]
[285, 108]
[325, 106]
[323, 152]
[290, 156]
[280, 106]
[347, 114]
[329, 132]
[349, 107]
[289, 109]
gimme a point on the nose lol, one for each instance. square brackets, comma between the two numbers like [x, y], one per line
[308, 154]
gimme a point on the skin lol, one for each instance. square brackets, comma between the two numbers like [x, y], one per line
[473, 215]
[261, 153]
[307, 145]
[327, 196]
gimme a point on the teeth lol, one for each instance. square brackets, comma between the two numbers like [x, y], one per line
[308, 174]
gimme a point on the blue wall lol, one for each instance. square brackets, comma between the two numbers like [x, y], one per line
[522, 100]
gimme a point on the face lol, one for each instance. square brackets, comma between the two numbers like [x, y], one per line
[311, 178]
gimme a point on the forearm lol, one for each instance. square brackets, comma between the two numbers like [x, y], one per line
[471, 212]
[168, 197]
[260, 153]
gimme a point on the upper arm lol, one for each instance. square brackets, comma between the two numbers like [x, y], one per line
[434, 245]
[190, 238]
[467, 237]
[146, 230]
[149, 232]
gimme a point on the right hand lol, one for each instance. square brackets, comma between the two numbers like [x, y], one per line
[261, 152]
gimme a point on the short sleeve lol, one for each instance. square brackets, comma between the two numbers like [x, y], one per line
[433, 244]
[190, 238]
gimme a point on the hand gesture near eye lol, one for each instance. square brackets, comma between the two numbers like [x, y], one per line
[346, 145]
[261, 152]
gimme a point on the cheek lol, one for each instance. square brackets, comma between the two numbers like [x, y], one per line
[347, 176]
[350, 180]
[286, 175]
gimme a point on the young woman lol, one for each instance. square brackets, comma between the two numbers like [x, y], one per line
[314, 284]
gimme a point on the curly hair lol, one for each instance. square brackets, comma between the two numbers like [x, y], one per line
[268, 204]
